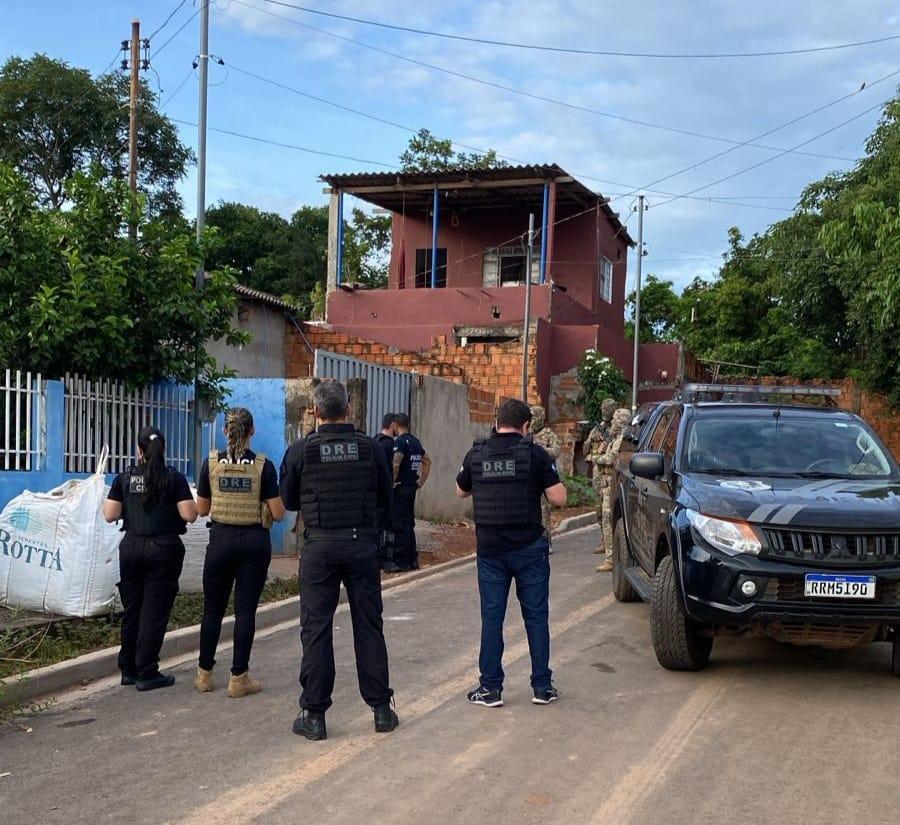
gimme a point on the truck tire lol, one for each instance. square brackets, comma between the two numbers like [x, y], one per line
[895, 656]
[676, 640]
[621, 559]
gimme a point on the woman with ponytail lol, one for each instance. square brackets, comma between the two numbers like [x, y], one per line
[238, 489]
[155, 503]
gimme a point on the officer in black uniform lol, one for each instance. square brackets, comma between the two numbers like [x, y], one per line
[385, 439]
[411, 465]
[238, 488]
[154, 502]
[339, 480]
[507, 474]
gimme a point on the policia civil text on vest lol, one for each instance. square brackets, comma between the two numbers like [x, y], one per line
[507, 475]
[154, 503]
[339, 480]
[238, 489]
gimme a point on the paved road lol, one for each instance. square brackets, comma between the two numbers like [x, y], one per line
[768, 734]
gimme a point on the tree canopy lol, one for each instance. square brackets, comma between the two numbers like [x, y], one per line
[427, 153]
[56, 120]
[78, 295]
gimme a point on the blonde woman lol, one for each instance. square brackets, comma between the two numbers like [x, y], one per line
[238, 489]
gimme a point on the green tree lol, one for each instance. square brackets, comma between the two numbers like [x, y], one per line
[600, 379]
[660, 309]
[367, 243]
[56, 120]
[427, 153]
[80, 296]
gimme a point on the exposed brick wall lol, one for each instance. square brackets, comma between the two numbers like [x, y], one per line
[874, 408]
[482, 406]
[495, 369]
[564, 389]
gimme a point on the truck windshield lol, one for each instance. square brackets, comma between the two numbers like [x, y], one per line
[805, 446]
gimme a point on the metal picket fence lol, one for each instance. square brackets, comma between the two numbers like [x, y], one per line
[387, 389]
[21, 420]
[107, 412]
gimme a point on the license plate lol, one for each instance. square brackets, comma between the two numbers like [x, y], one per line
[825, 586]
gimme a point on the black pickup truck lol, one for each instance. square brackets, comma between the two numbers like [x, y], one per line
[736, 515]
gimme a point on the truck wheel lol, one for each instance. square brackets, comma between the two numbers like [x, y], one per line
[621, 559]
[676, 640]
[895, 657]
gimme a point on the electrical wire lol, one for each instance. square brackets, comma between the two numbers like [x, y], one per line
[567, 50]
[180, 29]
[750, 168]
[178, 88]
[522, 92]
[165, 22]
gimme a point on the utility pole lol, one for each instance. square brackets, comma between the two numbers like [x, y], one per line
[637, 303]
[529, 255]
[133, 107]
[201, 207]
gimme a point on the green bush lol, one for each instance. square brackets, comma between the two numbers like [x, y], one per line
[600, 379]
[580, 491]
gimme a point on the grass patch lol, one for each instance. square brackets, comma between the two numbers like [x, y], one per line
[25, 648]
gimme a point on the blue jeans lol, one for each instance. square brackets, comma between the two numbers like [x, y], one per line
[530, 568]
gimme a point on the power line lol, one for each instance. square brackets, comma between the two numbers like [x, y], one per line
[179, 87]
[294, 146]
[565, 50]
[181, 28]
[166, 21]
[376, 118]
[774, 157]
[526, 94]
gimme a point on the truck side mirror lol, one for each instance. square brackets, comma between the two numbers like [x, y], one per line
[647, 465]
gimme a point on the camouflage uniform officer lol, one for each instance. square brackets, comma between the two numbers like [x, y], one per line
[549, 440]
[595, 446]
[606, 465]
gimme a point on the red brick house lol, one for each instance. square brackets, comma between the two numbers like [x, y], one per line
[455, 301]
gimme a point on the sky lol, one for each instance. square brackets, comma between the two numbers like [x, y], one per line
[735, 99]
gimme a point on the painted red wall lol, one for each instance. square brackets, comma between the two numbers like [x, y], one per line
[409, 319]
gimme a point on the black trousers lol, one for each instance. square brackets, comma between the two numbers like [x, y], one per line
[406, 552]
[149, 567]
[324, 566]
[238, 558]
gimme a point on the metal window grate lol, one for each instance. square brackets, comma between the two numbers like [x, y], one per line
[22, 407]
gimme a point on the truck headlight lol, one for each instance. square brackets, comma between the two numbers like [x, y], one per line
[731, 537]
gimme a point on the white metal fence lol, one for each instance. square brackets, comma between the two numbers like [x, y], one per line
[21, 420]
[107, 412]
[387, 389]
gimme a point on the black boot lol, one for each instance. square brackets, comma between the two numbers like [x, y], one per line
[128, 679]
[311, 725]
[161, 680]
[385, 719]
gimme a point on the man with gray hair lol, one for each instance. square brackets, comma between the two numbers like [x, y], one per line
[339, 481]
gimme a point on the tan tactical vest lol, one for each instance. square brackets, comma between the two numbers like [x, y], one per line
[236, 492]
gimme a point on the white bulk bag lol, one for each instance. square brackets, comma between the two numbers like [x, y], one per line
[57, 553]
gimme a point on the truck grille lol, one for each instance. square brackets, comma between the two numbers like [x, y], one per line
[790, 589]
[832, 548]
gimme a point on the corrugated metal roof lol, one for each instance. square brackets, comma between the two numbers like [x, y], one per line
[264, 298]
[393, 184]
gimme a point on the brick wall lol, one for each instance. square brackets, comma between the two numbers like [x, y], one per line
[494, 369]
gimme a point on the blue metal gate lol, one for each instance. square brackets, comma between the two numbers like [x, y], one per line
[387, 389]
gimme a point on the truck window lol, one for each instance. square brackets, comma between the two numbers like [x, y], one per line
[670, 439]
[654, 445]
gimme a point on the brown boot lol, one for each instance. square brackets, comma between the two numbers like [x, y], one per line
[605, 567]
[599, 551]
[243, 685]
[203, 681]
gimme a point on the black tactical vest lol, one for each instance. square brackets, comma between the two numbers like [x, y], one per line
[503, 490]
[160, 518]
[339, 480]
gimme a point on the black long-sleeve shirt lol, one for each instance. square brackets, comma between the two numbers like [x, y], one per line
[292, 465]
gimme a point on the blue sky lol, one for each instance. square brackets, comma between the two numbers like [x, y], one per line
[736, 99]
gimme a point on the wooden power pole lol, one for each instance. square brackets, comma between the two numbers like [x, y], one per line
[135, 89]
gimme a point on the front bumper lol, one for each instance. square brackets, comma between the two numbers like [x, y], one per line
[711, 585]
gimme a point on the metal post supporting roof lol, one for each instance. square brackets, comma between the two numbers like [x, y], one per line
[434, 240]
[546, 214]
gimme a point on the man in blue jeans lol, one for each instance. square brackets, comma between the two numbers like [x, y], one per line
[507, 474]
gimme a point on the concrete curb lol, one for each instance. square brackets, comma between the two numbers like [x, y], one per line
[575, 523]
[41, 682]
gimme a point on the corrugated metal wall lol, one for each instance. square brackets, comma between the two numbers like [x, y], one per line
[387, 389]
